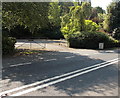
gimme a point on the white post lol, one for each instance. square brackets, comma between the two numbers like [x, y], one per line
[101, 45]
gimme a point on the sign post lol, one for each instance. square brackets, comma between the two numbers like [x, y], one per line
[101, 45]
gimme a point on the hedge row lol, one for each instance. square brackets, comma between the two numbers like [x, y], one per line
[91, 40]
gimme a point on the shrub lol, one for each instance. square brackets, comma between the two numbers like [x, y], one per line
[20, 32]
[55, 33]
[8, 44]
[91, 26]
[90, 40]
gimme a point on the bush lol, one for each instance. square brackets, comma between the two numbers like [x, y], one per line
[20, 32]
[54, 33]
[8, 44]
[91, 40]
[91, 26]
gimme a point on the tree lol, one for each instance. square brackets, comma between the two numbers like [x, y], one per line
[65, 7]
[73, 21]
[33, 15]
[54, 14]
[100, 10]
[87, 9]
[112, 19]
[97, 14]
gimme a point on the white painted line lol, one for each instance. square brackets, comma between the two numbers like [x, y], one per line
[85, 54]
[50, 60]
[60, 80]
[97, 53]
[56, 77]
[20, 64]
[69, 57]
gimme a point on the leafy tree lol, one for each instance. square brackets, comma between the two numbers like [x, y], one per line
[112, 19]
[91, 26]
[97, 15]
[99, 10]
[54, 14]
[87, 9]
[65, 7]
[33, 15]
[73, 21]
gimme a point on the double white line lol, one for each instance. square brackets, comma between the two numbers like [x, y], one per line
[47, 82]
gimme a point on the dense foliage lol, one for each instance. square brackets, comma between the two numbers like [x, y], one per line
[99, 10]
[73, 21]
[30, 14]
[54, 14]
[97, 15]
[82, 33]
[87, 10]
[91, 40]
[112, 19]
[78, 23]
[8, 44]
[91, 26]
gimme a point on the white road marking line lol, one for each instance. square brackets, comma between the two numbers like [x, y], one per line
[56, 77]
[85, 54]
[50, 60]
[97, 53]
[60, 80]
[69, 57]
[20, 64]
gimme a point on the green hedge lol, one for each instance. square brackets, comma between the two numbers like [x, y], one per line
[91, 40]
[8, 45]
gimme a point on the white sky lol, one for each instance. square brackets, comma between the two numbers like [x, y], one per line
[101, 3]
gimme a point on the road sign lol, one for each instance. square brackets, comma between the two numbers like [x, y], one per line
[101, 45]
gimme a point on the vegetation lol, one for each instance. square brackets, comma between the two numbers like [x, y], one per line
[22, 14]
[54, 14]
[91, 26]
[8, 44]
[30, 14]
[82, 33]
[80, 24]
[91, 40]
[73, 21]
[87, 10]
[112, 20]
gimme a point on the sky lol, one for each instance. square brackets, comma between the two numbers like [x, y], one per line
[101, 3]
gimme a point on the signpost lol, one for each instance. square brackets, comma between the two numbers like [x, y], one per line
[101, 45]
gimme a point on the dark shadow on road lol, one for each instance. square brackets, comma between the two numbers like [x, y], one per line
[40, 70]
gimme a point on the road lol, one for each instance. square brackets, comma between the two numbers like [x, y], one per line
[28, 71]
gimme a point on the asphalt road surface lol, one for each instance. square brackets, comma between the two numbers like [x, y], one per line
[61, 73]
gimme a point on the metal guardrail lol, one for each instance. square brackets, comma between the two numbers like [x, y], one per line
[32, 38]
[31, 41]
